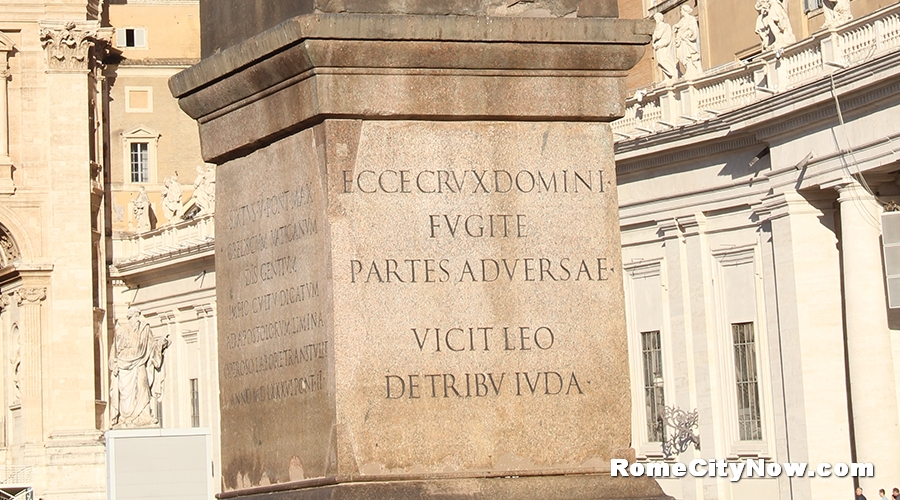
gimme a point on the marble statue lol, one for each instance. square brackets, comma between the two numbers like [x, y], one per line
[773, 25]
[135, 360]
[205, 189]
[171, 193]
[687, 43]
[837, 12]
[142, 210]
[662, 46]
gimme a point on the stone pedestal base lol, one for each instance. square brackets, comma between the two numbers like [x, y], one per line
[575, 487]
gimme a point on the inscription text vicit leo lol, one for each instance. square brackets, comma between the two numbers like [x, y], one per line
[498, 267]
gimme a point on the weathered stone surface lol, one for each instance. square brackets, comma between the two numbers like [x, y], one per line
[583, 487]
[228, 22]
[424, 67]
[421, 297]
[598, 8]
[419, 254]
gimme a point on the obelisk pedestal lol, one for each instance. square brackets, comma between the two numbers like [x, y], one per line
[418, 267]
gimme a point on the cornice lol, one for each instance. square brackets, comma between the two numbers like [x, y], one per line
[859, 86]
[672, 155]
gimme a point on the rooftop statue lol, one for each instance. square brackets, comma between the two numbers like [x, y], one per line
[141, 209]
[172, 193]
[687, 43]
[837, 12]
[773, 25]
[662, 46]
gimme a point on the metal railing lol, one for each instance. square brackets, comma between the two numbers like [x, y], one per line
[734, 85]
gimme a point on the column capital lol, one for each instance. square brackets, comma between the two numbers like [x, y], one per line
[73, 46]
[668, 228]
[31, 295]
[4, 301]
[686, 225]
[849, 188]
[6, 43]
[692, 225]
[780, 205]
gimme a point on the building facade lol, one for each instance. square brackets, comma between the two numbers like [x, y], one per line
[751, 201]
[107, 280]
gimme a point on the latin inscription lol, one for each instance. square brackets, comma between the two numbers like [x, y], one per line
[482, 384]
[275, 336]
[473, 181]
[277, 306]
[435, 269]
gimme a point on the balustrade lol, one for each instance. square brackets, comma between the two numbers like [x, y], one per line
[738, 84]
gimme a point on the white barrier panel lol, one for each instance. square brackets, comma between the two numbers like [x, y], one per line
[159, 464]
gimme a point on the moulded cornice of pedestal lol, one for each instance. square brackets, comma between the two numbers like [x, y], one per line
[385, 67]
[372, 43]
[417, 28]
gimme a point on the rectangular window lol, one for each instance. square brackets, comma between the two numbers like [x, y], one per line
[131, 38]
[749, 422]
[195, 403]
[140, 162]
[653, 388]
[809, 5]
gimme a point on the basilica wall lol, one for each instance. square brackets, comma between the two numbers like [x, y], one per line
[750, 206]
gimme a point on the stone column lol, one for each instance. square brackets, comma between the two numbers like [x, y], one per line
[6, 182]
[71, 50]
[71, 439]
[873, 392]
[30, 299]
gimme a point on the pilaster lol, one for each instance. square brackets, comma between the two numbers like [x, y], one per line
[807, 341]
[677, 286]
[700, 335]
[30, 300]
[873, 391]
[6, 166]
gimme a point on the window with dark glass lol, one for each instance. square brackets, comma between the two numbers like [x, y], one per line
[651, 352]
[749, 420]
[195, 403]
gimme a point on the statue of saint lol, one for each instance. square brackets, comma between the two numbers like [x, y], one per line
[205, 189]
[773, 25]
[135, 361]
[687, 43]
[662, 46]
[172, 193]
[141, 210]
[837, 12]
